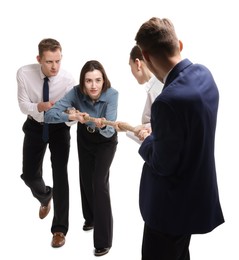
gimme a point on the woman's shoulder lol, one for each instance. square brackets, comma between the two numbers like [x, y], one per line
[112, 90]
[109, 94]
[75, 91]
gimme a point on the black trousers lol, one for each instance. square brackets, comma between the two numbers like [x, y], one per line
[96, 154]
[33, 155]
[161, 246]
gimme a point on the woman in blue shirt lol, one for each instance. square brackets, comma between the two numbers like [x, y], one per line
[96, 143]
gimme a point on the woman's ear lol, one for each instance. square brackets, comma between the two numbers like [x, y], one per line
[138, 64]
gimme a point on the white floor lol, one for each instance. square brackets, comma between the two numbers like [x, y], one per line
[24, 235]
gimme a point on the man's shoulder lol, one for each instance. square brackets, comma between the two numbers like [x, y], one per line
[28, 71]
[29, 68]
[65, 74]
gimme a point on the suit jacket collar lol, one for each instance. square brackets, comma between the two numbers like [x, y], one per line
[176, 70]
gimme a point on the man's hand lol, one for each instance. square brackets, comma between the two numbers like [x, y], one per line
[44, 106]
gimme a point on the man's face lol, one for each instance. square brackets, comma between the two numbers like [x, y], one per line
[50, 62]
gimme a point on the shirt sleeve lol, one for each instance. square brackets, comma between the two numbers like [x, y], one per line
[162, 149]
[26, 105]
[57, 113]
[110, 113]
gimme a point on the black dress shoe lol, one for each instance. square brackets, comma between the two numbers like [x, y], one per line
[101, 251]
[87, 226]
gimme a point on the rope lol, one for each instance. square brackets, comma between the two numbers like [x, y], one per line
[122, 125]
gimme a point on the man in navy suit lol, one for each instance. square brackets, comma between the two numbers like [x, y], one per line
[178, 190]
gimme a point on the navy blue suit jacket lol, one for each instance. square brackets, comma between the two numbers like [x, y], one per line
[178, 189]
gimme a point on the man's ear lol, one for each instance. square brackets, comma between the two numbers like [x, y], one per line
[145, 54]
[180, 45]
[38, 59]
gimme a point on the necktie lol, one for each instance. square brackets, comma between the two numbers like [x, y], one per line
[45, 99]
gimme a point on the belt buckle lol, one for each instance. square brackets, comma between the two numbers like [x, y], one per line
[90, 130]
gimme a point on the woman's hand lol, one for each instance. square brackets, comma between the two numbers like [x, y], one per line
[78, 116]
[118, 125]
[143, 133]
[99, 122]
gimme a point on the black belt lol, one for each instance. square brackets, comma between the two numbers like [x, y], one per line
[31, 118]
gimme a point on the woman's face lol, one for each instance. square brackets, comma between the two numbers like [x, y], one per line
[93, 84]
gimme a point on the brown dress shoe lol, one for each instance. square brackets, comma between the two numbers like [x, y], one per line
[44, 210]
[58, 239]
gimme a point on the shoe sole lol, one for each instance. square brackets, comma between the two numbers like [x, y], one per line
[102, 253]
[87, 228]
[57, 246]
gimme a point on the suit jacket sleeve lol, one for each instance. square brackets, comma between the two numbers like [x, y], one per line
[162, 149]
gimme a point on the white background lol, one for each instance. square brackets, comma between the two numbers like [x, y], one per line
[105, 30]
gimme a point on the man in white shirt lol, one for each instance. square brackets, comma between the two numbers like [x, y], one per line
[30, 79]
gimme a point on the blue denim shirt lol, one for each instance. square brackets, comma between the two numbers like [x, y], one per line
[106, 106]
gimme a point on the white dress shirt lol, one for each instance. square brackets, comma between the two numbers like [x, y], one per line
[30, 88]
[153, 88]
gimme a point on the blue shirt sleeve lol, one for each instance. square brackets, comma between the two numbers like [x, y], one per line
[110, 113]
[106, 107]
[57, 113]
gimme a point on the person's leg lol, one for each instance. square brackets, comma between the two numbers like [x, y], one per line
[33, 154]
[157, 245]
[86, 166]
[59, 145]
[103, 222]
